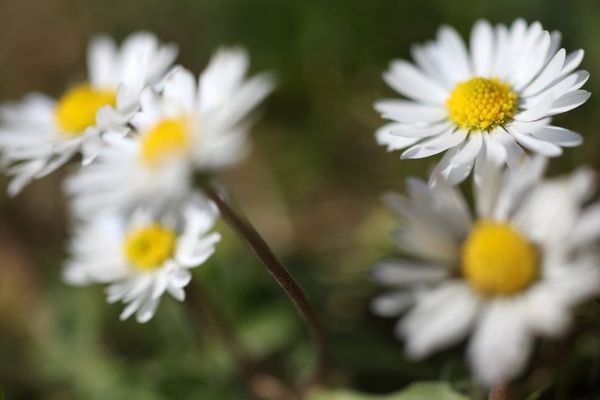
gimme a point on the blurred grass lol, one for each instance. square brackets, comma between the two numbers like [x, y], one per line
[312, 185]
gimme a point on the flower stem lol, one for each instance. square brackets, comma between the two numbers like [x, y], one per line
[498, 392]
[244, 228]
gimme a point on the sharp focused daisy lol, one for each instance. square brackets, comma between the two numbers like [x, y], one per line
[39, 134]
[187, 126]
[485, 103]
[142, 257]
[509, 274]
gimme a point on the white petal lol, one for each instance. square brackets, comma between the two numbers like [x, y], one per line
[393, 142]
[548, 75]
[102, 55]
[444, 168]
[440, 318]
[392, 304]
[569, 101]
[426, 232]
[537, 111]
[180, 277]
[572, 61]
[587, 230]
[147, 310]
[544, 312]
[560, 136]
[469, 150]
[180, 90]
[409, 111]
[514, 152]
[486, 192]
[176, 292]
[428, 58]
[410, 82]
[501, 344]
[493, 149]
[536, 145]
[412, 131]
[435, 145]
[457, 58]
[559, 88]
[131, 308]
[461, 164]
[482, 48]
[407, 273]
[536, 59]
[502, 52]
[517, 184]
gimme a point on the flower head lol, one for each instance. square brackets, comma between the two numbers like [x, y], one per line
[511, 272]
[485, 103]
[183, 127]
[39, 134]
[142, 256]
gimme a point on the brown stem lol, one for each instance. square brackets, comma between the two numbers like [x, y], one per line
[245, 229]
[498, 392]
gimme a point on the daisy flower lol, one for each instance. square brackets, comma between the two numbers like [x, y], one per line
[186, 126]
[509, 274]
[142, 257]
[488, 102]
[40, 134]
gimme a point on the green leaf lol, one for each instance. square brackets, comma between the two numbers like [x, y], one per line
[537, 394]
[416, 391]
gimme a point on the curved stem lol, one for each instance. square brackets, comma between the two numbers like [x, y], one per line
[245, 229]
[498, 392]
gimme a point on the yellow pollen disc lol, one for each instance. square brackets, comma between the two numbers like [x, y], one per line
[498, 260]
[76, 109]
[148, 247]
[482, 104]
[168, 138]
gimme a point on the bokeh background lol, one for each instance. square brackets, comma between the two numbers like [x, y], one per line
[312, 185]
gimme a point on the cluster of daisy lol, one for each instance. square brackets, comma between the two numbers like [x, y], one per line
[514, 268]
[510, 270]
[143, 128]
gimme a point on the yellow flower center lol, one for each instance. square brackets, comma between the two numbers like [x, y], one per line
[76, 109]
[482, 104]
[167, 139]
[498, 260]
[148, 247]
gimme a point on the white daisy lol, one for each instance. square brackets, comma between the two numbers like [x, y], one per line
[512, 273]
[486, 103]
[40, 134]
[188, 126]
[144, 256]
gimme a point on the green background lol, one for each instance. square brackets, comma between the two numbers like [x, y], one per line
[312, 185]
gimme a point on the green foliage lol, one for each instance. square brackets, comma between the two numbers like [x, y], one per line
[416, 391]
[311, 185]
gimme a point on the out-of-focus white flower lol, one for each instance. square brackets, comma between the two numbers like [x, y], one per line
[39, 134]
[511, 273]
[142, 256]
[187, 126]
[483, 103]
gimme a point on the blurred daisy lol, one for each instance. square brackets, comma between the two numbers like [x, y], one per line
[512, 273]
[142, 257]
[188, 126]
[486, 103]
[39, 134]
